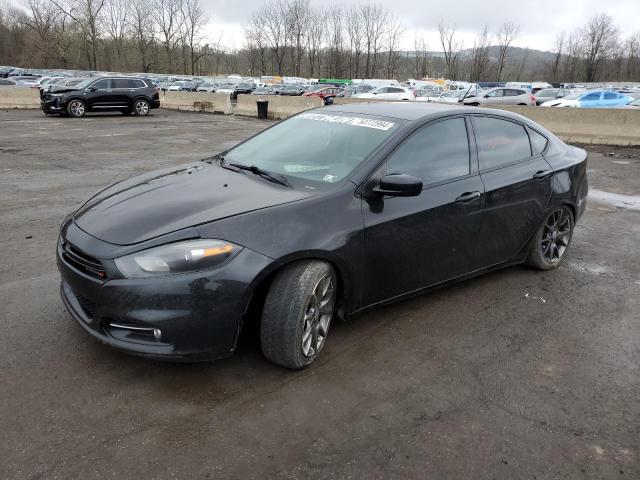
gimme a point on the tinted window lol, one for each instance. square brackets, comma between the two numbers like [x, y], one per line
[395, 90]
[591, 96]
[102, 84]
[538, 140]
[6, 82]
[500, 142]
[610, 96]
[434, 153]
[121, 83]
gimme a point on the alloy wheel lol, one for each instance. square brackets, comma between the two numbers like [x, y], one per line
[318, 316]
[77, 108]
[142, 107]
[556, 235]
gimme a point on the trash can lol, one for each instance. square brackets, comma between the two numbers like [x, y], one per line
[263, 108]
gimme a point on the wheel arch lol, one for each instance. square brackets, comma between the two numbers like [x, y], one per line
[258, 289]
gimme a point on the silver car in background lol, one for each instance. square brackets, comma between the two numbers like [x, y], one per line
[502, 96]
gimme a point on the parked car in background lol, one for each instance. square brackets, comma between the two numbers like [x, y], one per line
[291, 90]
[124, 94]
[435, 96]
[263, 91]
[226, 88]
[8, 82]
[547, 94]
[501, 96]
[28, 81]
[356, 89]
[590, 99]
[244, 88]
[326, 93]
[206, 87]
[388, 93]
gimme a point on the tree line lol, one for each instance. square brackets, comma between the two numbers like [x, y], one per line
[295, 38]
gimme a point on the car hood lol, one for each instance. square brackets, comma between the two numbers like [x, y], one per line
[157, 203]
[62, 89]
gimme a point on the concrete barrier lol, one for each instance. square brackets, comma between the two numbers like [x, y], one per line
[279, 106]
[603, 126]
[196, 102]
[18, 97]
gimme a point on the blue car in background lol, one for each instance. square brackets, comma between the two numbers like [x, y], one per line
[590, 99]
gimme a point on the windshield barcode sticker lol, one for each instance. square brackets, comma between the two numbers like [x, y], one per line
[354, 121]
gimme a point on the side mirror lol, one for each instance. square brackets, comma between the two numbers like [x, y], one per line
[92, 89]
[399, 185]
[375, 93]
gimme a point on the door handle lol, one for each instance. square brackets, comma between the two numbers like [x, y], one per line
[542, 174]
[468, 197]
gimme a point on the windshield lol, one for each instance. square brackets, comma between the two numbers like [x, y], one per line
[80, 84]
[316, 146]
[636, 102]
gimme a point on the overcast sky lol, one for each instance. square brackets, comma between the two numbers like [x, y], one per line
[539, 23]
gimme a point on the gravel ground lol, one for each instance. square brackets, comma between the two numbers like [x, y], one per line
[518, 374]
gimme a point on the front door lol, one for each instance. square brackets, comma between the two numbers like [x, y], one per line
[415, 242]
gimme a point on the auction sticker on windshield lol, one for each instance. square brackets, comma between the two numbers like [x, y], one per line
[354, 121]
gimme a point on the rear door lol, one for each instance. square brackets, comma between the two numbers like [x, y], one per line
[517, 183]
[415, 242]
[591, 100]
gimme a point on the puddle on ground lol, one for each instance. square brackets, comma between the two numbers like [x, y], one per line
[631, 202]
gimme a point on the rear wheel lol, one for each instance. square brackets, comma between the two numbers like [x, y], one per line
[141, 107]
[76, 108]
[297, 313]
[551, 242]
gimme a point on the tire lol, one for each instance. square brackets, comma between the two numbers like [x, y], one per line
[474, 104]
[141, 107]
[522, 105]
[76, 108]
[551, 242]
[297, 313]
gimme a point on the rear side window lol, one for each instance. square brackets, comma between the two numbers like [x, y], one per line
[434, 152]
[538, 141]
[500, 142]
[610, 96]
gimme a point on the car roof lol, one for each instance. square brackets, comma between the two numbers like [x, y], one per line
[413, 111]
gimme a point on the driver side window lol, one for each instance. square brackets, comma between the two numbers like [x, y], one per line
[433, 153]
[103, 84]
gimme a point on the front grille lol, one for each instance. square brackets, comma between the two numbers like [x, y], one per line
[83, 262]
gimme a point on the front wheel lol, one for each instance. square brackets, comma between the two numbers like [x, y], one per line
[297, 313]
[76, 108]
[141, 107]
[551, 242]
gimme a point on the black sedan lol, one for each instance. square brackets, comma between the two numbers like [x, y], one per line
[323, 215]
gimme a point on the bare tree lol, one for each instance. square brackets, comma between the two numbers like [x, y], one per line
[315, 34]
[393, 35]
[167, 16]
[374, 19]
[195, 19]
[421, 59]
[558, 47]
[599, 39]
[141, 28]
[507, 33]
[355, 32]
[115, 24]
[480, 55]
[632, 51]
[335, 42]
[86, 15]
[42, 21]
[297, 18]
[451, 48]
[573, 60]
[275, 30]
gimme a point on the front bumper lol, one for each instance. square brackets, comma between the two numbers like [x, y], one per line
[194, 316]
[51, 105]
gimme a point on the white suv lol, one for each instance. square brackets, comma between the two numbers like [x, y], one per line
[388, 93]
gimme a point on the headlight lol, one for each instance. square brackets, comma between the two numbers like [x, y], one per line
[177, 258]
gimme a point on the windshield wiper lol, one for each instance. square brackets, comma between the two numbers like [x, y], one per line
[279, 179]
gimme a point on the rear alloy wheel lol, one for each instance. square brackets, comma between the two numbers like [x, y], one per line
[552, 240]
[141, 108]
[76, 108]
[297, 313]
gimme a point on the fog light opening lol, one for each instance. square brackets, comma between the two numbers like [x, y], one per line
[157, 333]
